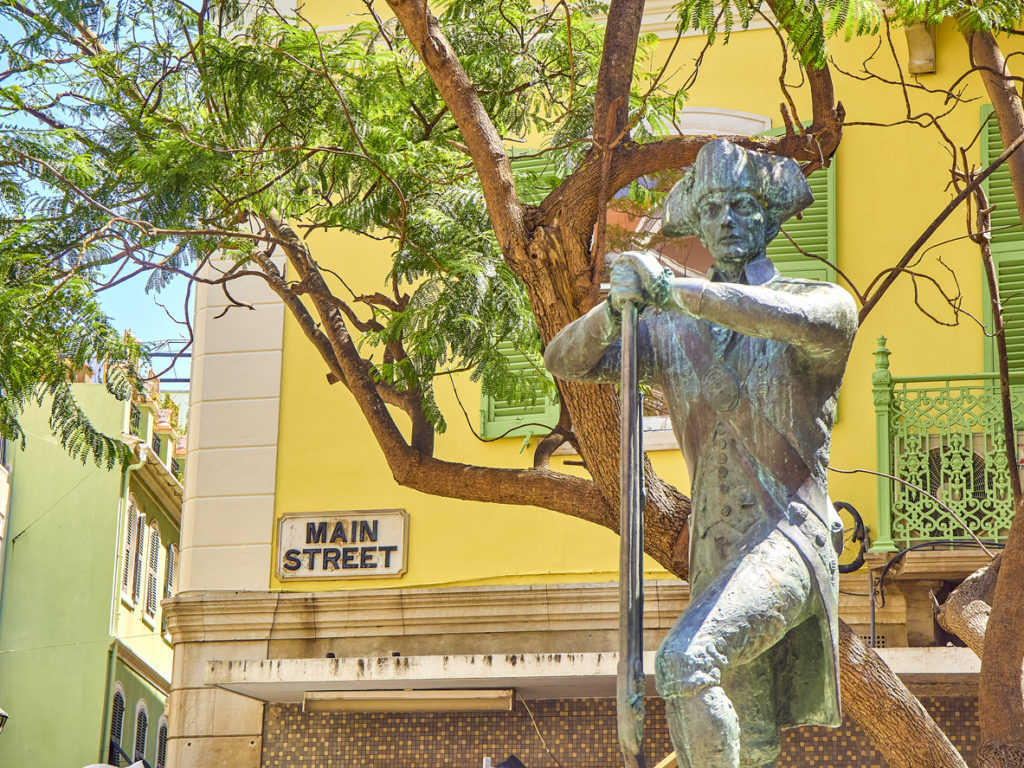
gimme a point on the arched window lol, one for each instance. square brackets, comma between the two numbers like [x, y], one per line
[152, 565]
[116, 726]
[161, 744]
[129, 548]
[141, 724]
[140, 548]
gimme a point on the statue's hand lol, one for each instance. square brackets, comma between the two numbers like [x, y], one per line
[634, 275]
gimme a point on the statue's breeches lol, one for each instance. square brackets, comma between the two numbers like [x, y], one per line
[715, 661]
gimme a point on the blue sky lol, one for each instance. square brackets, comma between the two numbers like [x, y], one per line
[155, 318]
[146, 314]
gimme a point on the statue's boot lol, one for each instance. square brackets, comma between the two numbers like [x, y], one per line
[704, 729]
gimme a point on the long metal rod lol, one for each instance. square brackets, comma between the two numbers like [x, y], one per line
[630, 683]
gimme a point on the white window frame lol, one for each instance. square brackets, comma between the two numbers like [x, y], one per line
[140, 707]
[130, 542]
[152, 600]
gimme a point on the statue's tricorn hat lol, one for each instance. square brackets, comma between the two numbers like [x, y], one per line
[776, 181]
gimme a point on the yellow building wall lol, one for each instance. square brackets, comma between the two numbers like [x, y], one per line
[891, 182]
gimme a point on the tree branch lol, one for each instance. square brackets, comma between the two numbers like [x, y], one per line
[630, 161]
[965, 612]
[615, 76]
[892, 274]
[482, 139]
[889, 714]
[409, 464]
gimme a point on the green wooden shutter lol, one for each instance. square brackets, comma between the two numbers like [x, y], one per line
[1007, 253]
[535, 176]
[1006, 227]
[814, 232]
[537, 415]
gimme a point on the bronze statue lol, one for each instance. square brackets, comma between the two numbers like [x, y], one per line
[750, 363]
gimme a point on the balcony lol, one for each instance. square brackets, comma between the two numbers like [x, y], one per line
[942, 437]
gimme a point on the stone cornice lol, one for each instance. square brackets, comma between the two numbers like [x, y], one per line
[160, 482]
[226, 616]
[539, 608]
[660, 19]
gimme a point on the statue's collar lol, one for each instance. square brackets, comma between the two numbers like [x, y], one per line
[757, 272]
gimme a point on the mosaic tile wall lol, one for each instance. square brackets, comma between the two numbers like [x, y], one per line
[580, 733]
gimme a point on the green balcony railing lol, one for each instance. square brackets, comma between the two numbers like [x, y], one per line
[944, 435]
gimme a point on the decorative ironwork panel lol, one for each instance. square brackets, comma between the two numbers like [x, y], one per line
[948, 442]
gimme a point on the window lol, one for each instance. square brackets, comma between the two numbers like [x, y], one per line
[116, 726]
[519, 416]
[129, 548]
[141, 724]
[535, 174]
[1007, 254]
[161, 744]
[814, 232]
[532, 413]
[140, 547]
[172, 558]
[151, 570]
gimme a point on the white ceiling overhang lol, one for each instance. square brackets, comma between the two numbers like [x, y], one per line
[533, 675]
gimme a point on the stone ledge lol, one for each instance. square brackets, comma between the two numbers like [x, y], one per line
[944, 564]
[364, 613]
[229, 615]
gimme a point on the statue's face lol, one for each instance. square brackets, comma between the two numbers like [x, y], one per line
[733, 225]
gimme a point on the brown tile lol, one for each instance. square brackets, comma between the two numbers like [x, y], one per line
[578, 732]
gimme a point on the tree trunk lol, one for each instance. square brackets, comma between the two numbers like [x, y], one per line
[1001, 685]
[965, 612]
[1006, 103]
[550, 249]
[891, 716]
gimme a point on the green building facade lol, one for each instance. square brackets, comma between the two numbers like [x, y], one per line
[87, 557]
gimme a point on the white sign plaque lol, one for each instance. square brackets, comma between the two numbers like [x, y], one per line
[343, 545]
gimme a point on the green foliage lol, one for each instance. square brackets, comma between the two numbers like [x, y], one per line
[981, 15]
[810, 23]
[147, 136]
[166, 139]
[50, 329]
